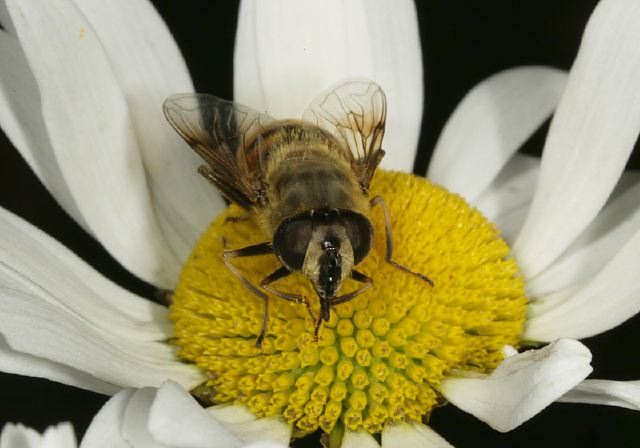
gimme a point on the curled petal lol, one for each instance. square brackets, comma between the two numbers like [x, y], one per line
[176, 419]
[522, 385]
[243, 424]
[163, 417]
[105, 430]
[624, 394]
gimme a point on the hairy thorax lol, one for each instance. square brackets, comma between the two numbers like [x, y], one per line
[308, 173]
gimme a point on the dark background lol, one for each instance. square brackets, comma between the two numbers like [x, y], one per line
[463, 42]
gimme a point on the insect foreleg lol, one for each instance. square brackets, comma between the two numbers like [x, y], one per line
[387, 226]
[357, 276]
[283, 272]
[250, 251]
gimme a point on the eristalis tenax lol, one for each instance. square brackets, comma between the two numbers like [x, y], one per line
[304, 182]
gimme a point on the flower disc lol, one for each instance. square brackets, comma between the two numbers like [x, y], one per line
[382, 356]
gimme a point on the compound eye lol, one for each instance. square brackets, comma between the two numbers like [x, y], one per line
[291, 240]
[360, 233]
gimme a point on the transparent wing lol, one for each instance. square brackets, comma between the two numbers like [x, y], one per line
[354, 112]
[227, 136]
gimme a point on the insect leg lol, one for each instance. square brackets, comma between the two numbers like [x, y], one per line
[239, 218]
[283, 272]
[249, 251]
[387, 226]
[359, 277]
[316, 329]
[163, 296]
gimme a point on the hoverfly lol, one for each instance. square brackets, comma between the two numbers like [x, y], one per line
[304, 182]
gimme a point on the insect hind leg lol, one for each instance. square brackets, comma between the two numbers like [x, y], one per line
[378, 200]
[250, 251]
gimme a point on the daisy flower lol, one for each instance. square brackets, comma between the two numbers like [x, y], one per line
[80, 99]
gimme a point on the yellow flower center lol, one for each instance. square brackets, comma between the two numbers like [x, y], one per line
[382, 356]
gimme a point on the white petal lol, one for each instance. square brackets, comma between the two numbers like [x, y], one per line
[40, 264]
[624, 394]
[591, 136]
[265, 444]
[358, 439]
[21, 119]
[506, 201]
[289, 51]
[135, 428]
[5, 19]
[90, 130]
[522, 385]
[629, 179]
[412, 435]
[105, 430]
[164, 417]
[241, 422]
[511, 189]
[490, 124]
[19, 436]
[597, 245]
[595, 306]
[59, 436]
[149, 67]
[33, 326]
[231, 413]
[508, 351]
[23, 364]
[511, 222]
[176, 419]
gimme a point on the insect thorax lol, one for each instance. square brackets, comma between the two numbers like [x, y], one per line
[307, 171]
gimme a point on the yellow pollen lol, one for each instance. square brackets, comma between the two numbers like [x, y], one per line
[382, 355]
